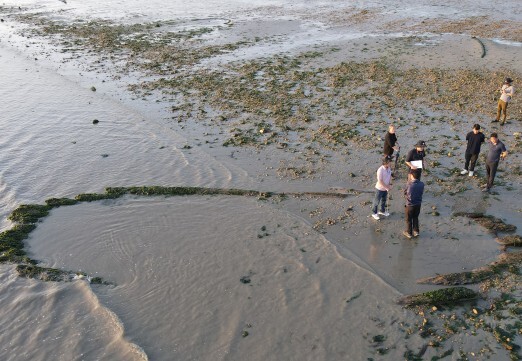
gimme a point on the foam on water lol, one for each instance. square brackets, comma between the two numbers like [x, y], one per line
[58, 321]
[507, 42]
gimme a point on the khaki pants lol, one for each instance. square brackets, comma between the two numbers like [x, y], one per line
[502, 107]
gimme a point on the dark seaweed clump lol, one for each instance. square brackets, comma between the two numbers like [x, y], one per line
[42, 273]
[11, 243]
[29, 213]
[492, 223]
[57, 202]
[116, 192]
[444, 296]
[504, 262]
[12, 248]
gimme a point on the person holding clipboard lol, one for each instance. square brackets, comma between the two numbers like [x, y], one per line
[415, 157]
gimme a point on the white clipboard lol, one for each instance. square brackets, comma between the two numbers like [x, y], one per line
[416, 163]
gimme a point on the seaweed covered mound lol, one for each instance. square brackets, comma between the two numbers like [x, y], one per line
[492, 223]
[444, 296]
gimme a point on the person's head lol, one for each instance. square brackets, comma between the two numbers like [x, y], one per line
[476, 128]
[420, 145]
[391, 129]
[493, 138]
[386, 161]
[414, 174]
[508, 81]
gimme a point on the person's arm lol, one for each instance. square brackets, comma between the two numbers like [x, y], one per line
[396, 147]
[407, 192]
[409, 158]
[387, 141]
[504, 153]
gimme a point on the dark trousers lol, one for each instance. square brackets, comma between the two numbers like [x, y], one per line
[471, 160]
[502, 109]
[491, 171]
[412, 218]
[380, 197]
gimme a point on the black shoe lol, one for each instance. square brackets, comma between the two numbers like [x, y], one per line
[495, 121]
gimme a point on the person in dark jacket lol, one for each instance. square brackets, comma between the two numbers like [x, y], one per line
[475, 139]
[417, 153]
[390, 142]
[413, 193]
[497, 152]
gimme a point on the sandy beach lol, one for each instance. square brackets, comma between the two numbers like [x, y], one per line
[290, 100]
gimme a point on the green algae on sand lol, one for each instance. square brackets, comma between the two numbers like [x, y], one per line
[444, 296]
[11, 243]
[58, 202]
[511, 240]
[492, 223]
[504, 262]
[29, 213]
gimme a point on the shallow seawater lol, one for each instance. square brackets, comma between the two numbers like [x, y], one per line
[51, 148]
[161, 9]
[192, 274]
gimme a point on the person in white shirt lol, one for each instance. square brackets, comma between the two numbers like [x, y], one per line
[382, 186]
[507, 92]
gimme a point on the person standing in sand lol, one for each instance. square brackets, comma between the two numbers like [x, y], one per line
[506, 93]
[413, 194]
[390, 145]
[416, 154]
[390, 142]
[497, 152]
[475, 138]
[383, 185]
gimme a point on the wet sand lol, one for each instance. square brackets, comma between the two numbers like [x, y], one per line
[324, 277]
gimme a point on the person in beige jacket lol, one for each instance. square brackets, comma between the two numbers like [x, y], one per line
[507, 92]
